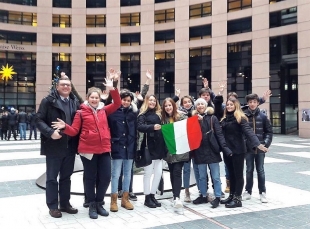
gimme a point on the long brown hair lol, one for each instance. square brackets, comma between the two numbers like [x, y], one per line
[238, 113]
[145, 106]
[175, 115]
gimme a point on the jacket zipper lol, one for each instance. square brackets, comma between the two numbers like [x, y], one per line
[254, 128]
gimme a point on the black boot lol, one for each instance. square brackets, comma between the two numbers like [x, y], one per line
[148, 202]
[230, 197]
[236, 202]
[215, 203]
[200, 200]
[100, 210]
[155, 201]
[93, 210]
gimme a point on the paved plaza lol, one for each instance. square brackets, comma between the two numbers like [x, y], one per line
[287, 167]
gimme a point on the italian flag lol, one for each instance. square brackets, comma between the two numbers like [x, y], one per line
[182, 136]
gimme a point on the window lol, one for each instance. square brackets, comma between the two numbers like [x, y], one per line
[130, 2]
[199, 68]
[130, 68]
[130, 39]
[95, 20]
[21, 18]
[164, 74]
[61, 21]
[62, 3]
[62, 40]
[95, 70]
[61, 62]
[95, 3]
[200, 32]
[163, 16]
[283, 17]
[166, 36]
[132, 19]
[18, 37]
[275, 1]
[95, 40]
[242, 25]
[239, 69]
[160, 1]
[234, 5]
[21, 2]
[200, 10]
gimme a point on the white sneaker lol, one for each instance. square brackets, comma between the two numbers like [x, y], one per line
[246, 196]
[177, 203]
[263, 198]
[187, 198]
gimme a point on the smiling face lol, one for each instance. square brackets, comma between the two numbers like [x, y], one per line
[205, 96]
[201, 107]
[94, 99]
[187, 103]
[126, 101]
[230, 106]
[168, 108]
[152, 102]
[64, 88]
[253, 104]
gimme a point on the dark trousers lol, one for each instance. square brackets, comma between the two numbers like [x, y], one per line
[120, 180]
[12, 128]
[64, 167]
[4, 134]
[98, 168]
[258, 158]
[235, 165]
[34, 129]
[175, 170]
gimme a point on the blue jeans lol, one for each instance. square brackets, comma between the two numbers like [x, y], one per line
[259, 164]
[196, 173]
[215, 175]
[22, 130]
[117, 165]
[202, 174]
[186, 174]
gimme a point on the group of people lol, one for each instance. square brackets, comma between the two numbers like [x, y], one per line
[14, 122]
[105, 128]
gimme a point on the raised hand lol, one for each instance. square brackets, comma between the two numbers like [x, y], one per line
[148, 74]
[266, 95]
[139, 96]
[111, 74]
[205, 83]
[222, 85]
[109, 84]
[59, 125]
[104, 95]
[177, 92]
[117, 75]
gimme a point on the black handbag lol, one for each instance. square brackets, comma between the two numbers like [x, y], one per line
[143, 157]
[212, 139]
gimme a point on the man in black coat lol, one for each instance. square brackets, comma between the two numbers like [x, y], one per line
[32, 124]
[12, 122]
[59, 148]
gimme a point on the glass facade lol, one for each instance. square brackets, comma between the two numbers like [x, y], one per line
[95, 70]
[62, 21]
[19, 91]
[21, 2]
[11, 37]
[283, 17]
[95, 3]
[242, 25]
[132, 19]
[200, 10]
[200, 32]
[166, 36]
[130, 68]
[235, 5]
[19, 18]
[130, 39]
[163, 16]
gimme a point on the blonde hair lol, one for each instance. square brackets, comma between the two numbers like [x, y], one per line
[145, 106]
[93, 89]
[238, 113]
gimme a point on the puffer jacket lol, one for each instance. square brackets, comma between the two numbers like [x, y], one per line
[154, 138]
[123, 128]
[95, 135]
[262, 128]
[173, 158]
[204, 154]
[235, 134]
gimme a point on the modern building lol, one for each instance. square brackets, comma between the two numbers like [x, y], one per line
[254, 45]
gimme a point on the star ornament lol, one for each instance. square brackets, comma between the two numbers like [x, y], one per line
[7, 72]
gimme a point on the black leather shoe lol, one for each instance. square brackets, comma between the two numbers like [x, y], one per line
[235, 203]
[226, 201]
[55, 213]
[69, 209]
[155, 201]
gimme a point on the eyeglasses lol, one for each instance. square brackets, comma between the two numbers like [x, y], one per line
[65, 84]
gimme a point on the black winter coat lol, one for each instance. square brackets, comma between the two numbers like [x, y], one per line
[12, 118]
[32, 119]
[22, 117]
[235, 134]
[204, 154]
[122, 125]
[49, 110]
[4, 120]
[262, 128]
[155, 139]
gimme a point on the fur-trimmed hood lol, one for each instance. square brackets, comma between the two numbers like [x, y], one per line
[100, 106]
[208, 111]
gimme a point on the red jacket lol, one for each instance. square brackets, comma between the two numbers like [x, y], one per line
[95, 136]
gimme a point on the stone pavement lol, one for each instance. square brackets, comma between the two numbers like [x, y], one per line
[287, 167]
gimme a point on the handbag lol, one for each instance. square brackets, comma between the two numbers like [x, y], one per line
[143, 157]
[212, 139]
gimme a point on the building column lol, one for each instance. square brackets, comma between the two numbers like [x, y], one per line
[44, 49]
[181, 73]
[219, 45]
[303, 10]
[147, 57]
[260, 50]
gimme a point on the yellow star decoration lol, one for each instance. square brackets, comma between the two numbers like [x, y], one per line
[7, 72]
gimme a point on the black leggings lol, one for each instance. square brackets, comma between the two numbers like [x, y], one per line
[176, 177]
[235, 165]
